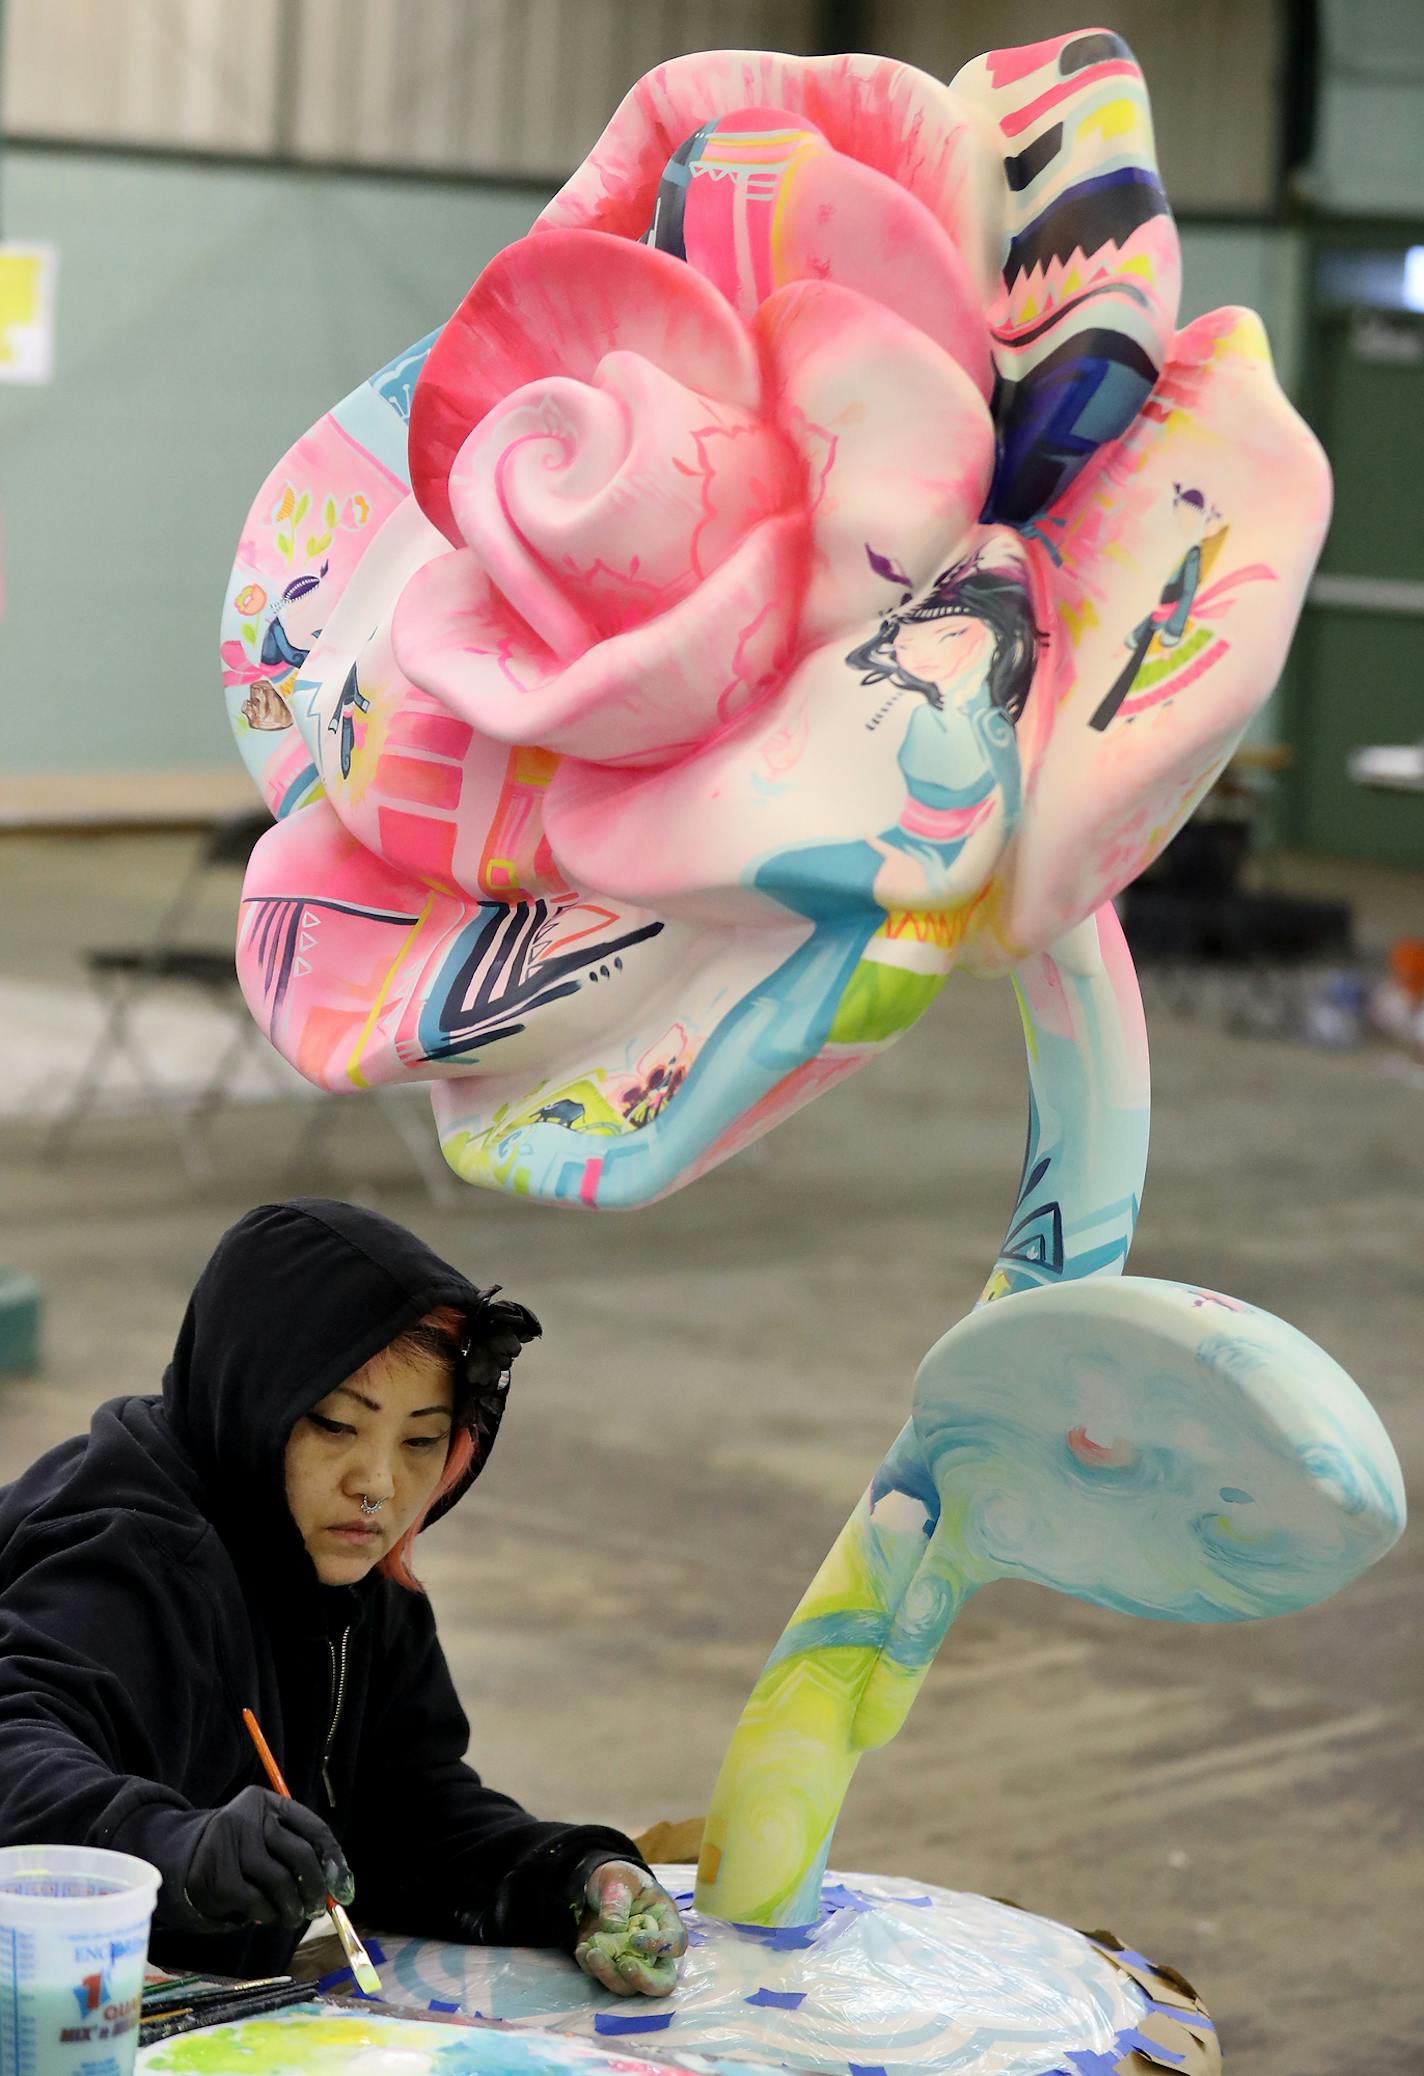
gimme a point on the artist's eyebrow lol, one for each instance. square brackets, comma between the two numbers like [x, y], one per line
[345, 1391]
[374, 1405]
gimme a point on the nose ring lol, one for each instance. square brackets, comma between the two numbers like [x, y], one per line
[371, 1506]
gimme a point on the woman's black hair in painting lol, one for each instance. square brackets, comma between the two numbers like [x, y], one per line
[996, 597]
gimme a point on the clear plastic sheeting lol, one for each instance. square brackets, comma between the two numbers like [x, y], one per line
[894, 1976]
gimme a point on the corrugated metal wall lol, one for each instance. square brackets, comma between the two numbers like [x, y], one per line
[196, 74]
[524, 86]
[495, 85]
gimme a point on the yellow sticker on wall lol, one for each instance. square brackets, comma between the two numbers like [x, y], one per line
[27, 278]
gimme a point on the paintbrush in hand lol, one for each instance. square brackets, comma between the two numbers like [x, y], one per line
[356, 1954]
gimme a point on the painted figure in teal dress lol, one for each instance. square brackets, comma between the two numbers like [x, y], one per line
[966, 653]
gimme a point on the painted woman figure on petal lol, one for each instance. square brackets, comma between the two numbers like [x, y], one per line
[1163, 626]
[966, 650]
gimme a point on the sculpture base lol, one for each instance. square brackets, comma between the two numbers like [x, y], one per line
[895, 1976]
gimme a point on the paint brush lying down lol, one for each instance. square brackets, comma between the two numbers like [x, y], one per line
[361, 1964]
[218, 2003]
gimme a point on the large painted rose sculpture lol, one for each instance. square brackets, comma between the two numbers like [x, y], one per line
[809, 561]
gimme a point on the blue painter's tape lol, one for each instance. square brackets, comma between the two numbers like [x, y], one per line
[778, 2000]
[377, 1952]
[1198, 2019]
[439, 2004]
[611, 2022]
[1147, 2045]
[835, 1897]
[337, 1975]
[1089, 2061]
[865, 2069]
[780, 1938]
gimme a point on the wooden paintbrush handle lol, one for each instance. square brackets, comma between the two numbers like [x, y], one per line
[264, 1753]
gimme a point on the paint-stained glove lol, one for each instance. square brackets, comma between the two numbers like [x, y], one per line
[261, 1860]
[630, 1936]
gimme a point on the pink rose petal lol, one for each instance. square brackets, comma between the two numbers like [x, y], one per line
[816, 215]
[885, 114]
[1107, 798]
[558, 305]
[802, 770]
[595, 505]
[440, 801]
[455, 636]
[899, 445]
[329, 937]
[362, 976]
[638, 698]
[848, 224]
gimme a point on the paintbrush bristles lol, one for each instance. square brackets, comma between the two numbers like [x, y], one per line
[362, 1966]
[355, 1952]
[365, 1973]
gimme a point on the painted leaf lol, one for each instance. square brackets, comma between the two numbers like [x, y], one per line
[884, 567]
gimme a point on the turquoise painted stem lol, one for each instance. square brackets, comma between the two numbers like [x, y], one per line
[846, 1670]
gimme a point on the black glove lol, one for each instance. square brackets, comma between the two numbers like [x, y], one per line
[261, 1860]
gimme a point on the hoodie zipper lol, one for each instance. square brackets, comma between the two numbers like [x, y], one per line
[338, 1696]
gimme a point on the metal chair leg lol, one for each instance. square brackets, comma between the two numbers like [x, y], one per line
[116, 1038]
[110, 1039]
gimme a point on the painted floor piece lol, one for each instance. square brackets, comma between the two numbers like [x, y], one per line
[894, 1977]
[314, 2040]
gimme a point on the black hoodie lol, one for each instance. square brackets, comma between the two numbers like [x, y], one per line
[153, 1584]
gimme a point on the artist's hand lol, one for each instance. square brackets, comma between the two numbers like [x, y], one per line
[261, 1860]
[630, 1936]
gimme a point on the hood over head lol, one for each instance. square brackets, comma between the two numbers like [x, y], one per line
[296, 1297]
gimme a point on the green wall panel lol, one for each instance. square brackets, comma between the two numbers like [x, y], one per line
[206, 315]
[1359, 681]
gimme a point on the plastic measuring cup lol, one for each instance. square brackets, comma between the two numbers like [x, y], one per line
[73, 1940]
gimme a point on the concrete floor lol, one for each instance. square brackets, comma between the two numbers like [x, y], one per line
[719, 1376]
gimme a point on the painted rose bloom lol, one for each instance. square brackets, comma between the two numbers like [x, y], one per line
[810, 560]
